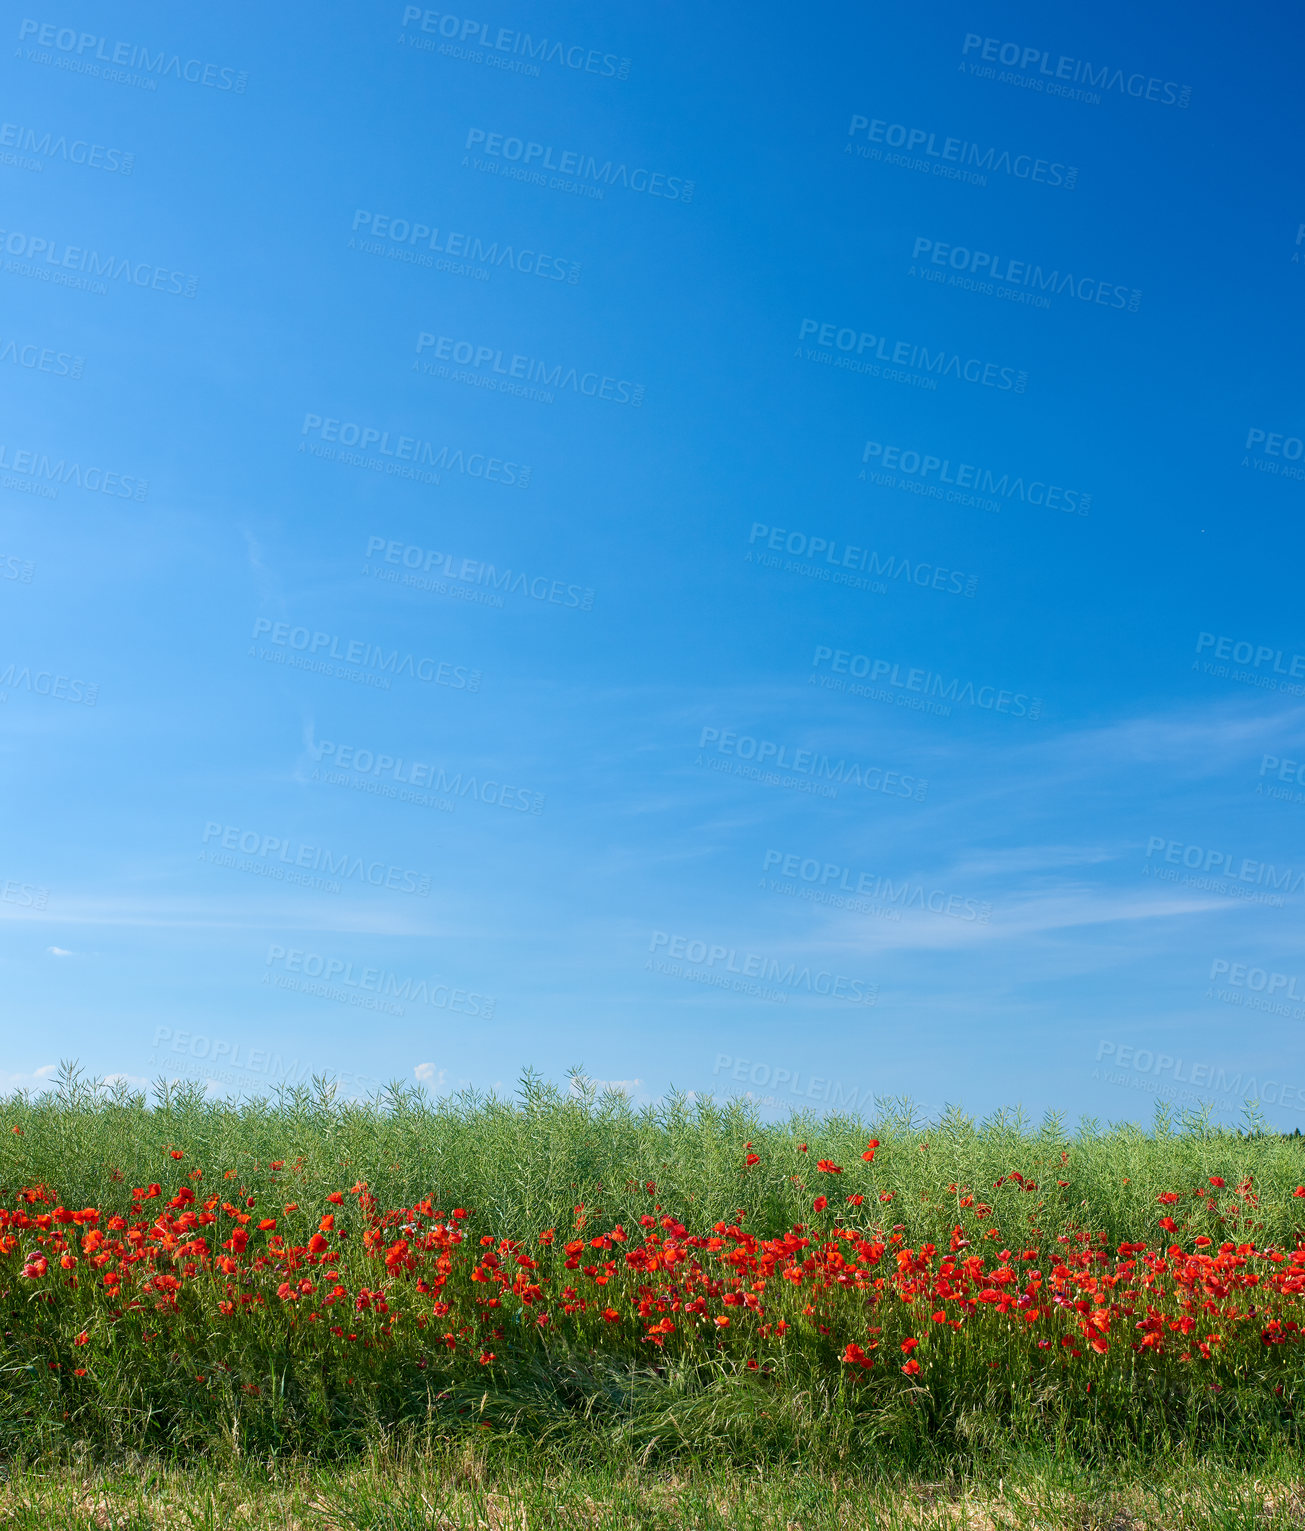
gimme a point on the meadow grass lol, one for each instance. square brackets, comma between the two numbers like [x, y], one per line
[209, 1413]
[524, 1163]
[472, 1488]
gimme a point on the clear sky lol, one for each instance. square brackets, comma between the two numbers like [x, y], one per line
[746, 551]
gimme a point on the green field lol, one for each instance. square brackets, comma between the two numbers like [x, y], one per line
[556, 1309]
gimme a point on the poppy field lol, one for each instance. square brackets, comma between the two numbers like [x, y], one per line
[305, 1278]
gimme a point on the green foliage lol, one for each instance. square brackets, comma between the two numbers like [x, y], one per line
[525, 1163]
[192, 1383]
[492, 1487]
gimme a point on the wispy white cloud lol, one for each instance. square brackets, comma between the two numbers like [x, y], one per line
[1063, 909]
[189, 913]
[34, 1082]
[1197, 741]
[998, 862]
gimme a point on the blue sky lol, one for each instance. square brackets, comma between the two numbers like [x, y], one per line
[537, 537]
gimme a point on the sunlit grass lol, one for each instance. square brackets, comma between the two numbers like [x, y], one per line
[525, 1162]
[294, 1281]
[474, 1489]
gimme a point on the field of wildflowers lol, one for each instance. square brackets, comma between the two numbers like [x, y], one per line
[305, 1278]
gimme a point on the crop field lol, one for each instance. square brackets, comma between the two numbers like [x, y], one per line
[558, 1309]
